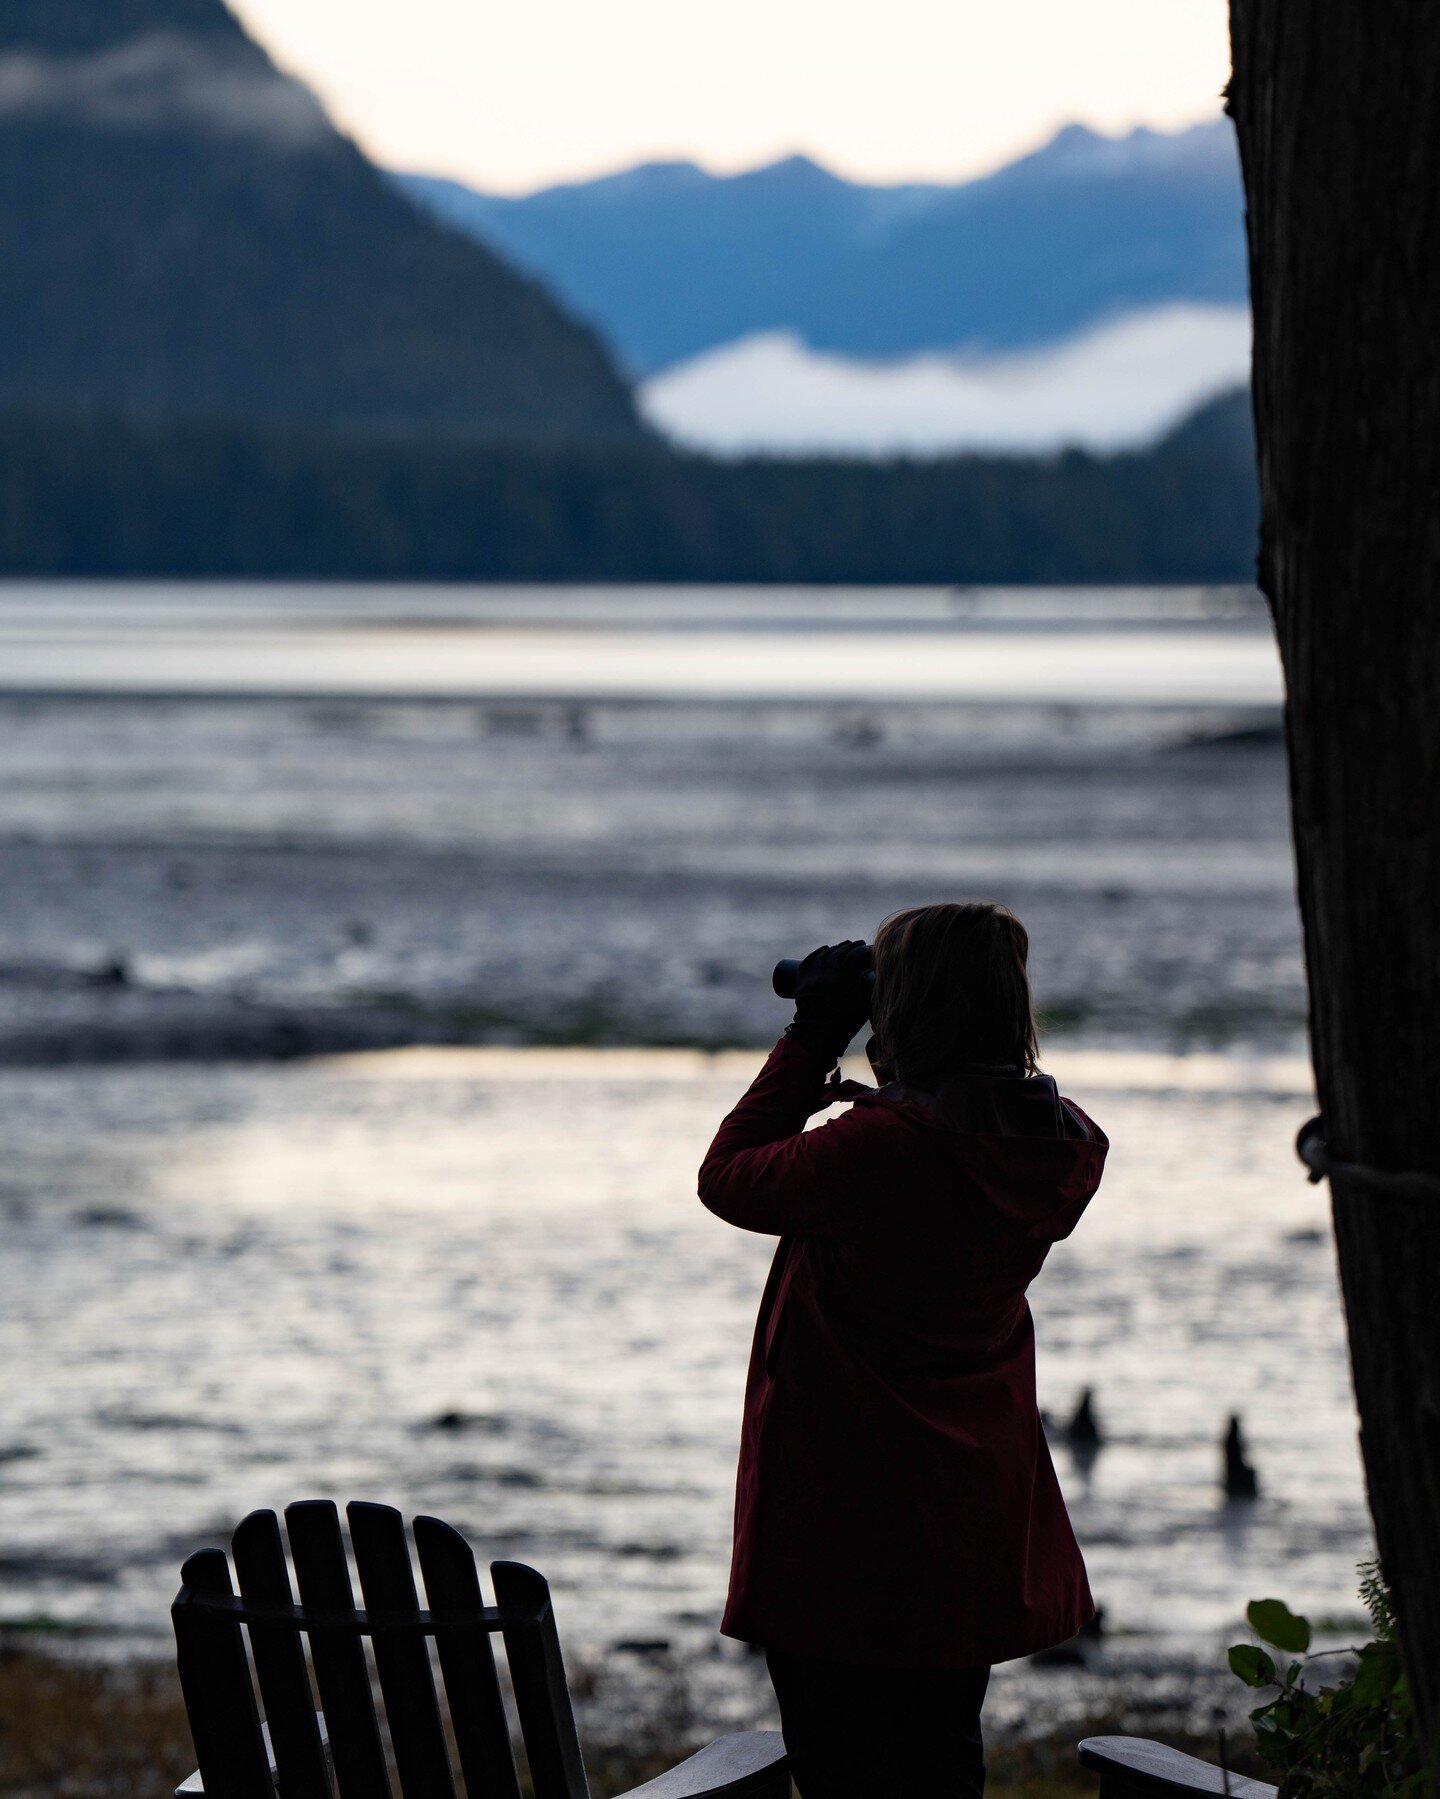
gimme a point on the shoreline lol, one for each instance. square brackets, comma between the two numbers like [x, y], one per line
[72, 1728]
[115, 1019]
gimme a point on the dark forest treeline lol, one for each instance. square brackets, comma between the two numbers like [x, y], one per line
[109, 497]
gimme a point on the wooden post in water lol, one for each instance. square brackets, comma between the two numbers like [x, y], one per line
[1337, 108]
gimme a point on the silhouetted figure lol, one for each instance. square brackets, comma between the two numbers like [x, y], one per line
[1083, 1430]
[842, 1430]
[1240, 1480]
[1079, 1651]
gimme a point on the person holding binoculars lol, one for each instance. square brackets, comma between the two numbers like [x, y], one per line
[898, 1524]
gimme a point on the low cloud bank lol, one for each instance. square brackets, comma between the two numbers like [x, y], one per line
[1117, 386]
[161, 81]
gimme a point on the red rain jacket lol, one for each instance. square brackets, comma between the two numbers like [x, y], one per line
[896, 1503]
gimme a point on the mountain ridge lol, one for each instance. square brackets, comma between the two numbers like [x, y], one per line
[69, 27]
[668, 260]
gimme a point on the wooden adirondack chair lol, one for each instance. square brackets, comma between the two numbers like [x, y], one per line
[297, 1750]
[1134, 1768]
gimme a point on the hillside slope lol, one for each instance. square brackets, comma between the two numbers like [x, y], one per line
[669, 261]
[185, 235]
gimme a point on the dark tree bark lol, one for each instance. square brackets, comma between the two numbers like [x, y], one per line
[1337, 107]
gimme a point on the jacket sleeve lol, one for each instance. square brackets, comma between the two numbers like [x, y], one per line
[766, 1172]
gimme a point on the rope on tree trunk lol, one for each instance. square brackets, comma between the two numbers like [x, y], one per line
[1314, 1152]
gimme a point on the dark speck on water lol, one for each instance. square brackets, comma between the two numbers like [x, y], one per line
[119, 1218]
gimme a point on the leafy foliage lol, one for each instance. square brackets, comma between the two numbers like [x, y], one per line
[1355, 1739]
[1252, 1664]
[1274, 1622]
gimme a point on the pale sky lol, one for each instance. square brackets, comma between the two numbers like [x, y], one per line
[517, 95]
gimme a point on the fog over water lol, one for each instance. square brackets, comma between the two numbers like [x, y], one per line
[1115, 386]
[474, 1279]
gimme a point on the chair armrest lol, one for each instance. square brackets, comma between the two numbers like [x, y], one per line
[749, 1766]
[194, 1788]
[1134, 1768]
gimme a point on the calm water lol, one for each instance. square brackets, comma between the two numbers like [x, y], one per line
[590, 815]
[236, 823]
[1201, 647]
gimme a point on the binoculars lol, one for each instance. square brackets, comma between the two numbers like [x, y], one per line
[785, 971]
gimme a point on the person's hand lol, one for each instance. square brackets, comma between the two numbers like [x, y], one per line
[837, 1089]
[832, 999]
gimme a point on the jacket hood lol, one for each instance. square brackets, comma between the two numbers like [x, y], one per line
[1034, 1154]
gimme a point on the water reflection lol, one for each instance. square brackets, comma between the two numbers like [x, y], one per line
[478, 1284]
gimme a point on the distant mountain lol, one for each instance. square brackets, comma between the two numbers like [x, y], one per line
[1225, 427]
[667, 260]
[70, 27]
[183, 234]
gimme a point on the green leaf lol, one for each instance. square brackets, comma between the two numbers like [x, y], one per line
[1376, 1676]
[1274, 1622]
[1253, 1666]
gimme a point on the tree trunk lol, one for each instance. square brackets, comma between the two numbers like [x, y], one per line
[1337, 108]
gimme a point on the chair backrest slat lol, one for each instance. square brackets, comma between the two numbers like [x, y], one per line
[215, 1679]
[341, 1673]
[537, 1672]
[234, 1750]
[280, 1667]
[402, 1655]
[467, 1663]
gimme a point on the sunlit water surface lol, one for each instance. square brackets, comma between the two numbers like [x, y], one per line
[1184, 646]
[477, 1283]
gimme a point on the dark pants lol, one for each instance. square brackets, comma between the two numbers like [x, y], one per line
[880, 1733]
